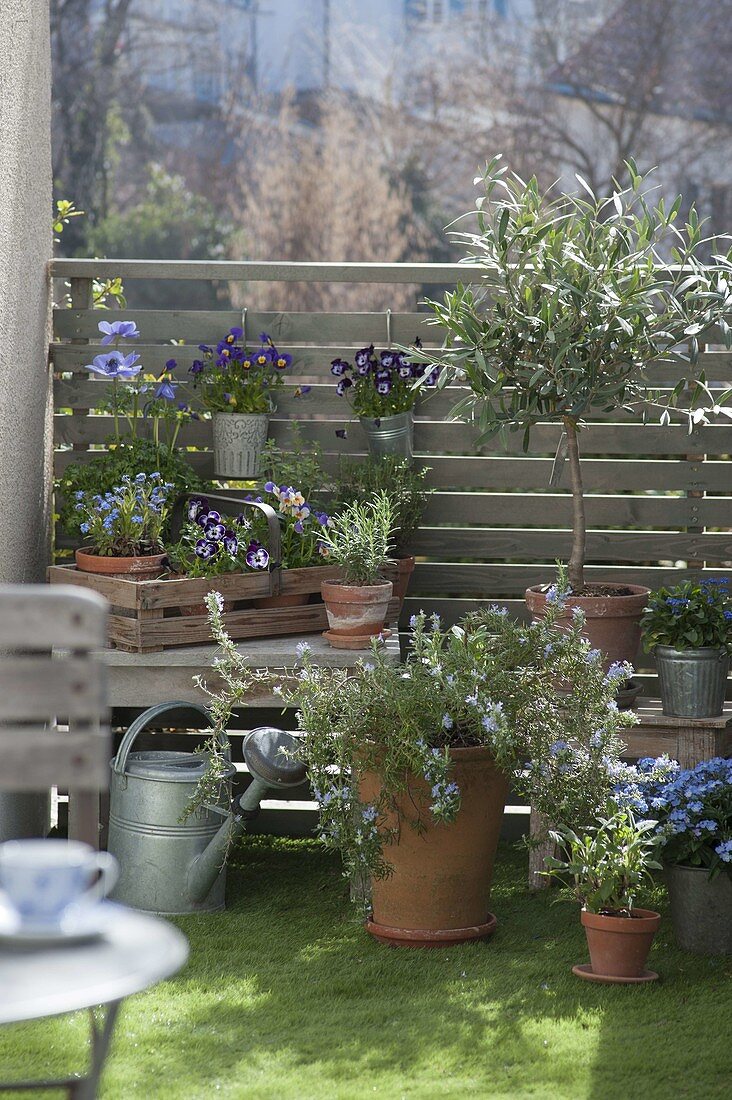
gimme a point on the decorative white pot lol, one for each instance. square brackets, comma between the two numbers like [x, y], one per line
[238, 439]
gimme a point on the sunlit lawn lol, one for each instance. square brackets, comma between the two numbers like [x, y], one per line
[286, 997]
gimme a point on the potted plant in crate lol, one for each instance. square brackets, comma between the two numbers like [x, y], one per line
[236, 387]
[211, 545]
[359, 540]
[383, 394]
[359, 479]
[608, 863]
[574, 309]
[693, 808]
[689, 629]
[124, 528]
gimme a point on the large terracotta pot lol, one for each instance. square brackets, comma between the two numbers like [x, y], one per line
[612, 622]
[356, 613]
[619, 946]
[439, 893]
[144, 568]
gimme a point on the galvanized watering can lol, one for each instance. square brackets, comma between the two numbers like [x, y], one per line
[175, 866]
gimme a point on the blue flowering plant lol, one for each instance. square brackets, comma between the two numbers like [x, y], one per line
[117, 365]
[691, 808]
[490, 682]
[211, 544]
[129, 520]
[230, 378]
[382, 383]
[692, 615]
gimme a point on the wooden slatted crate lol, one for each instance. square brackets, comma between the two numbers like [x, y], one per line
[146, 615]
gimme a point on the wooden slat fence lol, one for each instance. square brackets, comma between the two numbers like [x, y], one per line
[659, 497]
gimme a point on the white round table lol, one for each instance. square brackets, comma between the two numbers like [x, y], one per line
[134, 952]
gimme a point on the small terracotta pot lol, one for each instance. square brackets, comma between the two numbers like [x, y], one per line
[144, 568]
[439, 892]
[619, 946]
[292, 599]
[613, 622]
[356, 612]
[405, 568]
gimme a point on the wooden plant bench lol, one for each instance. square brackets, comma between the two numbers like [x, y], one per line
[687, 740]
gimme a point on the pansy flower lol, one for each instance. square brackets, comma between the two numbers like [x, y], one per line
[364, 356]
[257, 557]
[339, 367]
[342, 385]
[206, 549]
[282, 360]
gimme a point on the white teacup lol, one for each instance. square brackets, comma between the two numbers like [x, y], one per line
[46, 881]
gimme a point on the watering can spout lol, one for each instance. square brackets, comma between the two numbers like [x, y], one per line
[270, 756]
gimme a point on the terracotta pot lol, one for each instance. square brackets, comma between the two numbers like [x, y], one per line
[144, 568]
[356, 613]
[293, 599]
[613, 622]
[439, 893]
[619, 946]
[405, 568]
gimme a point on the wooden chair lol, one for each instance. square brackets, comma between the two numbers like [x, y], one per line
[54, 726]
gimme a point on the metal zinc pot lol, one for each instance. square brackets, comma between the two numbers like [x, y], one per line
[238, 440]
[692, 681]
[149, 793]
[390, 435]
[701, 909]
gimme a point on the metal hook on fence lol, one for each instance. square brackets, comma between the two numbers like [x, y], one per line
[244, 326]
[388, 329]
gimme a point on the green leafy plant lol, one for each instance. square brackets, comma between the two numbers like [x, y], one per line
[491, 682]
[124, 459]
[608, 862]
[359, 539]
[576, 306]
[359, 480]
[300, 464]
[692, 615]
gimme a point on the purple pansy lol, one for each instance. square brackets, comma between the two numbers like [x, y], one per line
[257, 557]
[215, 531]
[206, 549]
[339, 367]
[342, 385]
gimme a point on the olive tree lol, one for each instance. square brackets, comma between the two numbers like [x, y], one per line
[575, 306]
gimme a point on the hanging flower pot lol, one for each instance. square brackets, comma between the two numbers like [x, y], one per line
[238, 441]
[390, 435]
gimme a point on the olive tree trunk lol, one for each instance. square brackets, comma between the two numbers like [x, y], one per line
[575, 569]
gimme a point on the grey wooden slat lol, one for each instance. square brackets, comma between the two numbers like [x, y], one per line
[517, 474]
[532, 509]
[53, 758]
[520, 544]
[490, 581]
[207, 326]
[267, 271]
[35, 617]
[441, 437]
[39, 687]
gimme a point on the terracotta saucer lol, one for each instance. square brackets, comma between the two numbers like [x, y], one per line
[353, 641]
[421, 937]
[584, 970]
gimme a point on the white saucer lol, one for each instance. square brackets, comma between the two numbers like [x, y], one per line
[89, 923]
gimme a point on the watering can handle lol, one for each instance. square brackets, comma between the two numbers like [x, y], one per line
[120, 761]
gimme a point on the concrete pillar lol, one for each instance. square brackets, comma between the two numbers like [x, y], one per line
[25, 249]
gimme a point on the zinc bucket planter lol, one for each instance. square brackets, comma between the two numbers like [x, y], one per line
[692, 681]
[619, 946]
[238, 441]
[356, 613]
[390, 435]
[439, 892]
[701, 909]
[612, 622]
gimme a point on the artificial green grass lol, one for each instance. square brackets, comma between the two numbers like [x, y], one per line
[286, 998]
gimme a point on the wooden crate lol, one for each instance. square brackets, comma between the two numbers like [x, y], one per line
[145, 615]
